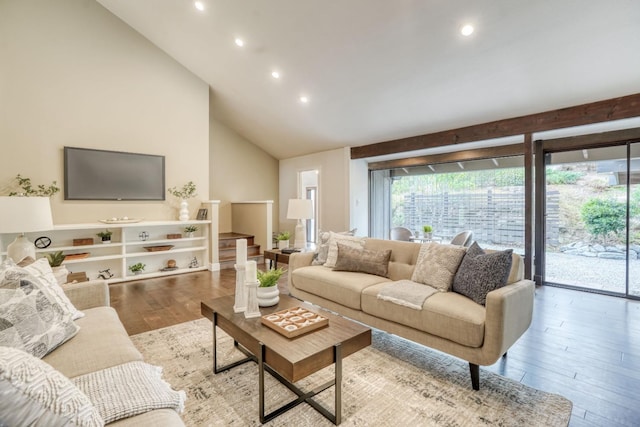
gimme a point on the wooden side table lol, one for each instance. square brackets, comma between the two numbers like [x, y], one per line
[275, 255]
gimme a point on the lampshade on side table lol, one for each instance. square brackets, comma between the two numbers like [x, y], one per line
[302, 210]
[24, 215]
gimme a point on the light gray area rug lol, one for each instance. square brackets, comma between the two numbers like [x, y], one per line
[394, 382]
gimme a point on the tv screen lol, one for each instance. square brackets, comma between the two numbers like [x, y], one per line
[112, 175]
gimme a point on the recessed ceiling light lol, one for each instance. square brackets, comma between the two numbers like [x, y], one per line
[304, 99]
[239, 42]
[199, 5]
[275, 74]
[466, 30]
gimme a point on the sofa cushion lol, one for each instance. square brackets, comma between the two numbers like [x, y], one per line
[332, 256]
[34, 393]
[342, 287]
[42, 270]
[362, 260]
[404, 256]
[322, 246]
[446, 314]
[437, 265]
[481, 273]
[31, 319]
[102, 342]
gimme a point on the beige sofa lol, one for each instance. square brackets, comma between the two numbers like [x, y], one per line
[448, 321]
[102, 342]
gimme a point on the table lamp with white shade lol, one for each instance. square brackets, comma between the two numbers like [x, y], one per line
[24, 215]
[302, 210]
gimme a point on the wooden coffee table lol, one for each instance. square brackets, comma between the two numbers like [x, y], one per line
[289, 359]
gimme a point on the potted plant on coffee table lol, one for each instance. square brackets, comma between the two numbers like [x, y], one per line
[268, 293]
[283, 239]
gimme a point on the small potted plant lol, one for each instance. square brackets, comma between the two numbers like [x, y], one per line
[137, 268]
[283, 239]
[268, 293]
[60, 272]
[105, 236]
[190, 229]
[428, 230]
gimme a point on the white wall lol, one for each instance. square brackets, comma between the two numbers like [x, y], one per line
[333, 187]
[73, 74]
[240, 171]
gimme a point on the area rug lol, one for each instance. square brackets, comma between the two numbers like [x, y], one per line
[393, 382]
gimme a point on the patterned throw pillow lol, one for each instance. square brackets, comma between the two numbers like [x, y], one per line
[31, 319]
[34, 393]
[332, 256]
[363, 260]
[481, 273]
[322, 247]
[437, 265]
[42, 270]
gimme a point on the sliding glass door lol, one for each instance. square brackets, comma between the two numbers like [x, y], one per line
[592, 219]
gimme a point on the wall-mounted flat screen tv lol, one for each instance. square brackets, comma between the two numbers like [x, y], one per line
[112, 175]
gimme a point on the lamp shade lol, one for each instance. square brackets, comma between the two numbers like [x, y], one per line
[300, 209]
[25, 214]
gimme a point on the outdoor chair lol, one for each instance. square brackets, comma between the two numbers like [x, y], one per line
[464, 238]
[401, 233]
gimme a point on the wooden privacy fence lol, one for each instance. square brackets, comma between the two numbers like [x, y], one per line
[495, 217]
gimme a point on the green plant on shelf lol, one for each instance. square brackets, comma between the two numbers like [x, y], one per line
[105, 235]
[56, 258]
[191, 229]
[270, 277]
[137, 268]
[28, 189]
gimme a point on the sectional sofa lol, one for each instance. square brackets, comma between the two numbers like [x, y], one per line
[447, 320]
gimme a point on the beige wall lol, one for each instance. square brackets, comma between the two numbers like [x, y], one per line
[333, 188]
[73, 74]
[240, 171]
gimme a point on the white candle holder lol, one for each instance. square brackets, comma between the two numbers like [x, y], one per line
[241, 290]
[252, 300]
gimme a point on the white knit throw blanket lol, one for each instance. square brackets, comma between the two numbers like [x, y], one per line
[407, 293]
[129, 389]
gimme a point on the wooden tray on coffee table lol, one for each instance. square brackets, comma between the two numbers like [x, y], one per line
[294, 321]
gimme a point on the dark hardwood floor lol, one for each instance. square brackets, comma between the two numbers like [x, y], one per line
[583, 346]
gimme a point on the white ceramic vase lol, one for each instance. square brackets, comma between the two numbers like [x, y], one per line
[60, 273]
[283, 244]
[184, 210]
[268, 296]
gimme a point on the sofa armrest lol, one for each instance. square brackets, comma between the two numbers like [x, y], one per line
[509, 312]
[300, 259]
[83, 295]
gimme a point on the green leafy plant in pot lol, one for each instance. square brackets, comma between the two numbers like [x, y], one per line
[283, 239]
[137, 268]
[60, 272]
[428, 230]
[105, 236]
[268, 293]
[190, 229]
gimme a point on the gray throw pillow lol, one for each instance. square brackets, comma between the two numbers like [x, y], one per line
[363, 260]
[481, 273]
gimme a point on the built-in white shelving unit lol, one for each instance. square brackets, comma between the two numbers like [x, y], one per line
[127, 247]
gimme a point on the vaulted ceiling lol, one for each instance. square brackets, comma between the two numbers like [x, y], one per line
[378, 70]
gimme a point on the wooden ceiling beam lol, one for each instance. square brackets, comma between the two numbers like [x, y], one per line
[595, 112]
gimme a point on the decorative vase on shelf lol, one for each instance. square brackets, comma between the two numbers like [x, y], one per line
[184, 210]
[268, 296]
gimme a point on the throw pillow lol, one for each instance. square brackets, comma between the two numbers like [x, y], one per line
[332, 255]
[31, 319]
[42, 270]
[363, 260]
[34, 393]
[437, 265]
[322, 247]
[481, 273]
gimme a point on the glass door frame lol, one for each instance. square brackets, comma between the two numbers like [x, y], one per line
[541, 149]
